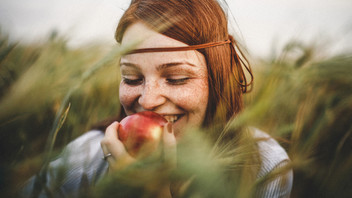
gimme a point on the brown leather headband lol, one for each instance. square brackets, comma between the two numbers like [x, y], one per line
[173, 49]
[242, 81]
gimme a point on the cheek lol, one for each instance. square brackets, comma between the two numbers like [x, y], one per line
[194, 98]
[201, 96]
[127, 95]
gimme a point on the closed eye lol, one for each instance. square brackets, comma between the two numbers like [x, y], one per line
[177, 81]
[132, 81]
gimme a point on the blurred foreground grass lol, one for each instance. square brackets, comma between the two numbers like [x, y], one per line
[34, 80]
[303, 101]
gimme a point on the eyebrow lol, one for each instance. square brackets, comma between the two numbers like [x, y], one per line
[159, 67]
[173, 64]
[129, 65]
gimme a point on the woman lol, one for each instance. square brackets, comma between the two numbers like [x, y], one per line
[188, 69]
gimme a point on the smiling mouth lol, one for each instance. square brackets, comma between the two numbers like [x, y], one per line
[172, 118]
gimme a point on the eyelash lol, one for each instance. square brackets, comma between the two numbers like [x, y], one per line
[133, 81]
[179, 81]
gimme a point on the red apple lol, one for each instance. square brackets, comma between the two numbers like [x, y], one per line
[141, 131]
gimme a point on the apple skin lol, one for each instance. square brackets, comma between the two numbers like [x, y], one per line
[141, 132]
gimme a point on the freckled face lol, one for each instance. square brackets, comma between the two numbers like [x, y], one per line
[173, 84]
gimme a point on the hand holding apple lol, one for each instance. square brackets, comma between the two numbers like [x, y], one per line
[142, 130]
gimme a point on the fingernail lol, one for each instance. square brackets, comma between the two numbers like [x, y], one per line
[169, 127]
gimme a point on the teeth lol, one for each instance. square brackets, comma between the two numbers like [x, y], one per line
[171, 118]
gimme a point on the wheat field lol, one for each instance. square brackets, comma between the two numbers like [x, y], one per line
[51, 93]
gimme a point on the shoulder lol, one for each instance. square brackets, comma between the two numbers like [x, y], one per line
[82, 163]
[90, 139]
[271, 152]
[273, 157]
[83, 152]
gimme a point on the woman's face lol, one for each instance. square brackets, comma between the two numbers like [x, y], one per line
[173, 84]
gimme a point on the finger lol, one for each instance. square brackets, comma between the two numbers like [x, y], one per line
[111, 141]
[111, 130]
[109, 138]
[111, 144]
[110, 159]
[169, 143]
[169, 138]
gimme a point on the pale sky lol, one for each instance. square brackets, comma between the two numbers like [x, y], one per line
[259, 23]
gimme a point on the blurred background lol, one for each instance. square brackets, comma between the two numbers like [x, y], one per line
[60, 56]
[262, 25]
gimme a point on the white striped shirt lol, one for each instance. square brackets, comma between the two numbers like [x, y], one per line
[83, 157]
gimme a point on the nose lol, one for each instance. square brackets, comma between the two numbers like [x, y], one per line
[151, 96]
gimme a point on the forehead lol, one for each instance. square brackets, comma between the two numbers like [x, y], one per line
[148, 38]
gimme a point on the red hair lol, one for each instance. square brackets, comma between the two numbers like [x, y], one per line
[197, 22]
